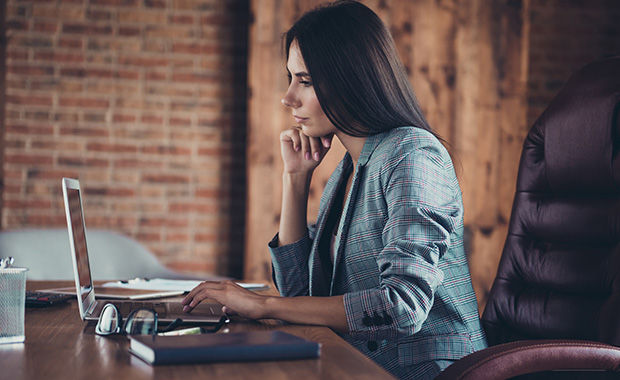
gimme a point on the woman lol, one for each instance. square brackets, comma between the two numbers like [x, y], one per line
[385, 265]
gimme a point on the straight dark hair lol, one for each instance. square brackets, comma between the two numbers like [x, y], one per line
[358, 77]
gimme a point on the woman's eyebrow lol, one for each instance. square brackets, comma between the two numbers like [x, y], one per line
[300, 74]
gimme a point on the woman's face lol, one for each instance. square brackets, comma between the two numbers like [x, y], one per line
[301, 98]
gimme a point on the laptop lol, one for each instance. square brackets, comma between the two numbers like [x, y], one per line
[89, 306]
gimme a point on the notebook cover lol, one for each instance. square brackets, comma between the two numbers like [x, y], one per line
[223, 347]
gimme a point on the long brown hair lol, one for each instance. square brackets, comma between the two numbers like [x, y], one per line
[355, 69]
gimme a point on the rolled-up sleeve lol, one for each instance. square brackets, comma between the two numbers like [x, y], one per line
[423, 211]
[290, 266]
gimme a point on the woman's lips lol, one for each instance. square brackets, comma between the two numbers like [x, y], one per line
[300, 120]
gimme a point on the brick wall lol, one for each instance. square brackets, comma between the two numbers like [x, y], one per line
[142, 100]
[564, 36]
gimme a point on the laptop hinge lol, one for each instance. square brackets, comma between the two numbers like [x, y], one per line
[92, 308]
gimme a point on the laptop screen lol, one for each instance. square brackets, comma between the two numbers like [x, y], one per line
[79, 240]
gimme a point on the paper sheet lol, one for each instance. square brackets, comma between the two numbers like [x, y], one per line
[166, 284]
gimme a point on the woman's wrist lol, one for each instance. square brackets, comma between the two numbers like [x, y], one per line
[298, 180]
[268, 306]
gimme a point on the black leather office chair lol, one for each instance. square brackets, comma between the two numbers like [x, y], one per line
[555, 303]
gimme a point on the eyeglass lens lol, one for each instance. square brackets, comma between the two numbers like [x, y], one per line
[141, 322]
[109, 321]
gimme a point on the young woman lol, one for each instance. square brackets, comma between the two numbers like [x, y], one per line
[385, 265]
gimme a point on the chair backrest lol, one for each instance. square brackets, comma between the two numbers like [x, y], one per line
[559, 275]
[46, 254]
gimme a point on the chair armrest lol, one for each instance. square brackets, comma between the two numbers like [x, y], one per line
[519, 358]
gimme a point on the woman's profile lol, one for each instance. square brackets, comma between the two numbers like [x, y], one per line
[384, 265]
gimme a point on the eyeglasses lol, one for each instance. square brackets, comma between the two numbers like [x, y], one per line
[139, 322]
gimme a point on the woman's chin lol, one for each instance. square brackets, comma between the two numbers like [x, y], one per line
[310, 132]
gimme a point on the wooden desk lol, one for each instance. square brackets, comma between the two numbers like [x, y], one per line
[60, 346]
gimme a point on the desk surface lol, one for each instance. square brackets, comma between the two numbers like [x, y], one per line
[60, 346]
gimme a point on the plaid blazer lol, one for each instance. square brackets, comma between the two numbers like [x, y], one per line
[399, 256]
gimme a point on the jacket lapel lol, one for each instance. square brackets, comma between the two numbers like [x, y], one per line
[320, 280]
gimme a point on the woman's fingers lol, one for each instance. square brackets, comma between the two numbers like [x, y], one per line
[306, 149]
[316, 147]
[197, 295]
[233, 297]
[291, 135]
[300, 152]
[327, 140]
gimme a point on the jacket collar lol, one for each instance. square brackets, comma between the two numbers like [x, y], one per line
[372, 142]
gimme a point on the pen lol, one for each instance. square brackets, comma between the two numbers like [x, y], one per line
[134, 280]
[188, 331]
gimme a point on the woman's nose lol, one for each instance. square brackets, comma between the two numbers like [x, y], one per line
[289, 100]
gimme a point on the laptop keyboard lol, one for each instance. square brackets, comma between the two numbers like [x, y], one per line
[125, 308]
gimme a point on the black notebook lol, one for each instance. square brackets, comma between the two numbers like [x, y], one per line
[223, 347]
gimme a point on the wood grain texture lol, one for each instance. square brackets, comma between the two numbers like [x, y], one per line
[467, 63]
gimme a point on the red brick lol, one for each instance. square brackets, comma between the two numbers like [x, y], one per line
[109, 191]
[83, 162]
[16, 55]
[155, 4]
[149, 237]
[99, 15]
[85, 132]
[150, 119]
[196, 48]
[83, 102]
[29, 100]
[128, 31]
[35, 174]
[38, 130]
[178, 237]
[202, 237]
[165, 178]
[28, 159]
[137, 164]
[142, 17]
[178, 121]
[70, 42]
[58, 57]
[197, 266]
[163, 222]
[86, 29]
[119, 118]
[116, 3]
[46, 26]
[30, 70]
[167, 150]
[155, 76]
[87, 73]
[142, 61]
[186, 207]
[112, 148]
[17, 24]
[181, 19]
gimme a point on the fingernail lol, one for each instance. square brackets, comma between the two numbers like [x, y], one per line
[327, 143]
[185, 309]
[297, 148]
[307, 155]
[316, 156]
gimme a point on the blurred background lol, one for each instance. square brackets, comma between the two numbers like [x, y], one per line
[168, 112]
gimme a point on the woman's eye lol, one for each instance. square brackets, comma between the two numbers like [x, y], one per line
[306, 83]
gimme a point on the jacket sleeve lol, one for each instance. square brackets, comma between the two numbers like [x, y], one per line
[424, 209]
[290, 271]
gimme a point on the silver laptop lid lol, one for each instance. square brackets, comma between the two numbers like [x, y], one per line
[77, 239]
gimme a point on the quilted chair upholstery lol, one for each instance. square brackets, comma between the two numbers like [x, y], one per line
[555, 302]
